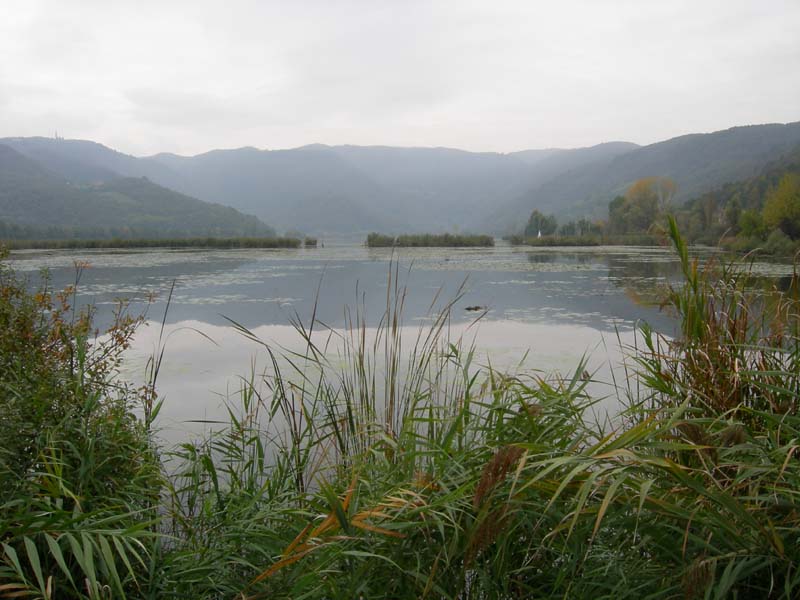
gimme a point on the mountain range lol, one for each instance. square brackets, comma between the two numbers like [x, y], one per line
[353, 189]
[39, 202]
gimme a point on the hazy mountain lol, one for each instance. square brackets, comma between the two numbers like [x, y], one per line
[34, 196]
[311, 188]
[358, 188]
[750, 193]
[335, 189]
[697, 163]
[512, 211]
[533, 156]
[437, 188]
[82, 161]
[354, 189]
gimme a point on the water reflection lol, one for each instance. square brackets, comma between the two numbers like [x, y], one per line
[200, 373]
[551, 306]
[600, 288]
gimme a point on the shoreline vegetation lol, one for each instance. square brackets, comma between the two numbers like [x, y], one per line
[198, 242]
[429, 240]
[644, 239]
[759, 215]
[351, 476]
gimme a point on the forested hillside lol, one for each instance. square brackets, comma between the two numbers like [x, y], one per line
[36, 202]
[761, 211]
[697, 163]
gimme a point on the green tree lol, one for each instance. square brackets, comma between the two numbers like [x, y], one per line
[751, 224]
[733, 212]
[586, 227]
[643, 200]
[538, 222]
[782, 206]
[570, 228]
[617, 220]
[641, 205]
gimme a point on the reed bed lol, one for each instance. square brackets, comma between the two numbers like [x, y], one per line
[371, 466]
[639, 239]
[428, 240]
[207, 242]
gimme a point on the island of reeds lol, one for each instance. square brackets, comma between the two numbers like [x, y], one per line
[354, 478]
[428, 240]
[197, 242]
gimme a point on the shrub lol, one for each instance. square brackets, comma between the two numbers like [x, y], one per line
[79, 477]
[782, 206]
[779, 244]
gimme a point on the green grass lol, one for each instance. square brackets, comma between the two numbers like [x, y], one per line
[208, 242]
[400, 468]
[426, 240]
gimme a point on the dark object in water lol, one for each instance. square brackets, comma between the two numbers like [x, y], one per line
[475, 308]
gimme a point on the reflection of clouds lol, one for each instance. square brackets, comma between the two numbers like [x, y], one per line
[511, 282]
[508, 265]
[205, 363]
[226, 298]
[551, 315]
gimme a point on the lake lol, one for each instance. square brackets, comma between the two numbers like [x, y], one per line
[545, 308]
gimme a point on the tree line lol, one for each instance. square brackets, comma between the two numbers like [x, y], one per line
[760, 212]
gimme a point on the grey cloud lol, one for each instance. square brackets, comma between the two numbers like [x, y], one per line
[188, 76]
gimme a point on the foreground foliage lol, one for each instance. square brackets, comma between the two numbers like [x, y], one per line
[397, 468]
[79, 479]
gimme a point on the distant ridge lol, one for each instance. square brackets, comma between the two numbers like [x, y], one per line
[697, 162]
[36, 199]
[322, 189]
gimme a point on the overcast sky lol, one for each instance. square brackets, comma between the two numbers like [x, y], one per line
[150, 76]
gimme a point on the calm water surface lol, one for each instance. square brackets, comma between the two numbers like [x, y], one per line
[547, 308]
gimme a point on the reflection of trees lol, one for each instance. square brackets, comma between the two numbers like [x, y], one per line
[579, 258]
[784, 283]
[642, 280]
[540, 258]
[645, 281]
[631, 267]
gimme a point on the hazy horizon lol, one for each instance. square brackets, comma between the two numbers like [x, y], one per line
[375, 145]
[186, 77]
